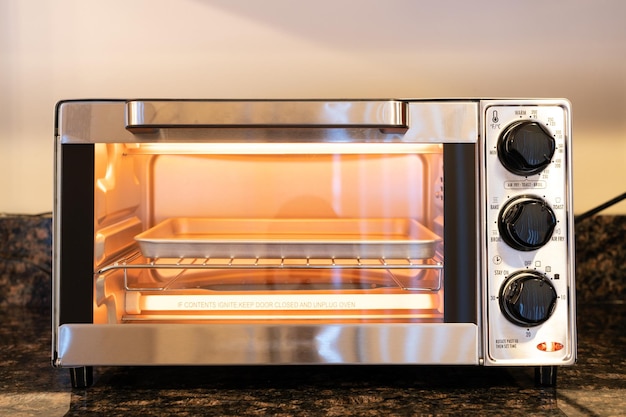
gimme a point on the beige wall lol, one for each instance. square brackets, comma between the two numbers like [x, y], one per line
[60, 49]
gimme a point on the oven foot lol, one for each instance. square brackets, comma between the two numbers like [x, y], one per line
[81, 377]
[545, 376]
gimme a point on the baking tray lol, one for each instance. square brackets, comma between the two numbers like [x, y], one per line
[288, 238]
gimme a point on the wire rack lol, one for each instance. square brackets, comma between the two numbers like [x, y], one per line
[138, 261]
[141, 273]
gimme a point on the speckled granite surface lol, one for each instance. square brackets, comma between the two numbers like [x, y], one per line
[25, 260]
[601, 259]
[596, 386]
[29, 386]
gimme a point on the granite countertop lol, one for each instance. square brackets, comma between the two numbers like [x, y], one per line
[29, 386]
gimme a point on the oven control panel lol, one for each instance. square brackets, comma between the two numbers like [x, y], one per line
[528, 279]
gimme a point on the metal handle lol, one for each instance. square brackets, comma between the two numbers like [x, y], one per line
[147, 115]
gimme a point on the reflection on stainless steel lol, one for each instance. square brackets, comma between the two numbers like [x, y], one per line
[203, 113]
[175, 344]
[105, 122]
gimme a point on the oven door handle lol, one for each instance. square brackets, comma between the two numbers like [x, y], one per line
[148, 115]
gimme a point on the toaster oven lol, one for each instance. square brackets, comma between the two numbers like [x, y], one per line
[288, 232]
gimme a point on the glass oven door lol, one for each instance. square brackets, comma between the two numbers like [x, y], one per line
[353, 240]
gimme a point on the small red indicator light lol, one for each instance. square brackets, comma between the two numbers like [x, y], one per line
[550, 346]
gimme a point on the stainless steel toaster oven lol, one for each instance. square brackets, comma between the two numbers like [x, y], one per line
[212, 232]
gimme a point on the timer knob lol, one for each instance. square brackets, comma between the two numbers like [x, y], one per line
[525, 147]
[526, 223]
[527, 298]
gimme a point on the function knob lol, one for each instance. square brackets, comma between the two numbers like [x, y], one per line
[526, 223]
[525, 147]
[527, 298]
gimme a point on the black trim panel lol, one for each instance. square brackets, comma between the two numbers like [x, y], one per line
[76, 244]
[460, 233]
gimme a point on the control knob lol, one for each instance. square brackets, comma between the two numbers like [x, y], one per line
[526, 222]
[525, 147]
[527, 298]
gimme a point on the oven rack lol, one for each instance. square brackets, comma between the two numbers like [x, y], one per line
[157, 274]
[138, 261]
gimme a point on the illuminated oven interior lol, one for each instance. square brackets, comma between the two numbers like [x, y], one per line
[268, 232]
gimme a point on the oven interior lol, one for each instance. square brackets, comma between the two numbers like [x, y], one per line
[258, 232]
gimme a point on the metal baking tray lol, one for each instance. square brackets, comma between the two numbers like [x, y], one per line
[288, 238]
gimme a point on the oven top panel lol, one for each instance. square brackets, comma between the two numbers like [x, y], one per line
[283, 121]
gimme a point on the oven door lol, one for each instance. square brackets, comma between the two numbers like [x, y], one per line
[266, 232]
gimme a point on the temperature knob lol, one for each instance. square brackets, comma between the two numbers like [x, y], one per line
[527, 298]
[525, 147]
[526, 223]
